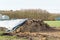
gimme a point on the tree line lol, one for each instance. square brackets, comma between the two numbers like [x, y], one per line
[30, 13]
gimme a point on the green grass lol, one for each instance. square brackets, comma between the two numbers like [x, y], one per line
[11, 38]
[2, 37]
[53, 23]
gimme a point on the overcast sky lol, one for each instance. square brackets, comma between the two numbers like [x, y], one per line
[49, 5]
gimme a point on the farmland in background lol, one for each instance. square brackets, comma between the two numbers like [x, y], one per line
[53, 23]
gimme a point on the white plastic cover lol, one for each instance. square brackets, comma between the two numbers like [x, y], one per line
[10, 24]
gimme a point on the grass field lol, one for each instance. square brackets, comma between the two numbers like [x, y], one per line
[53, 23]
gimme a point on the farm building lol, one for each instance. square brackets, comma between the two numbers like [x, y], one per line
[4, 17]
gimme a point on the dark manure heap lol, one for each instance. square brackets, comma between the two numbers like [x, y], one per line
[34, 25]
